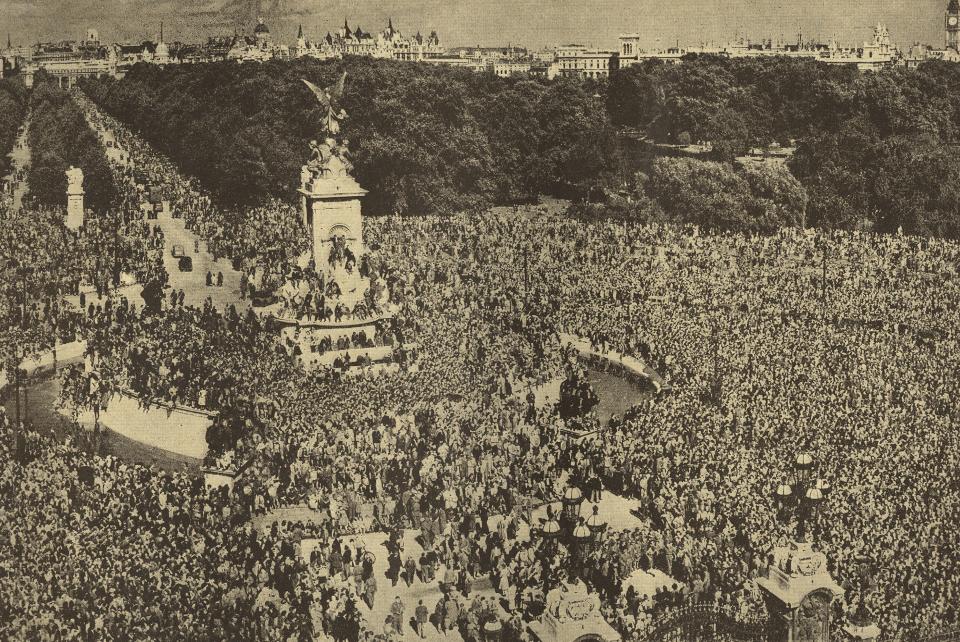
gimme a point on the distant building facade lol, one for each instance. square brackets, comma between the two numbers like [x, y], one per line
[584, 62]
[70, 61]
[259, 47]
[877, 53]
[918, 53]
[389, 43]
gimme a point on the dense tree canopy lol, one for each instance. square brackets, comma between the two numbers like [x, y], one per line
[424, 139]
[13, 106]
[759, 198]
[60, 137]
[873, 150]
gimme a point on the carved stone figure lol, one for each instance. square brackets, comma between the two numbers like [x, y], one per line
[74, 179]
[343, 152]
[329, 99]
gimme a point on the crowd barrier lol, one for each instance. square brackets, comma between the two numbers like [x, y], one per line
[627, 367]
[48, 361]
[178, 429]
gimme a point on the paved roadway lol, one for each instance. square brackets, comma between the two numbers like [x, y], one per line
[21, 158]
[194, 283]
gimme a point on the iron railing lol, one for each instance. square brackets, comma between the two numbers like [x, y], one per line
[704, 623]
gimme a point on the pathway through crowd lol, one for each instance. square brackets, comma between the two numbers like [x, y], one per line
[20, 157]
[176, 235]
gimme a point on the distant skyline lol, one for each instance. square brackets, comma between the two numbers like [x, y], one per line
[531, 23]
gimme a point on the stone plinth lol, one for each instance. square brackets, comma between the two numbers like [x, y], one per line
[331, 207]
[798, 591]
[572, 615]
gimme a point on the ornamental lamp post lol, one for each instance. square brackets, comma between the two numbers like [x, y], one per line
[596, 524]
[802, 492]
[572, 498]
[550, 532]
[582, 538]
[797, 587]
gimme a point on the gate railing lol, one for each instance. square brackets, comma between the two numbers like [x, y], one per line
[704, 623]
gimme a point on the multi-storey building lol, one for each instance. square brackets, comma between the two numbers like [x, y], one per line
[127, 55]
[918, 53]
[389, 43]
[874, 54]
[257, 48]
[585, 62]
[69, 61]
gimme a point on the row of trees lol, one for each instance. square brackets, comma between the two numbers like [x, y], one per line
[13, 107]
[425, 139]
[874, 150]
[60, 137]
[756, 198]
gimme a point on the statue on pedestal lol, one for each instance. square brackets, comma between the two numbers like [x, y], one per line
[331, 158]
[74, 180]
[329, 97]
[75, 193]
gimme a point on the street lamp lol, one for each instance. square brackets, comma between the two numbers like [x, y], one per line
[572, 498]
[550, 530]
[596, 524]
[582, 538]
[800, 491]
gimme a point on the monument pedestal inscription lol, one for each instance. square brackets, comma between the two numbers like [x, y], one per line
[798, 591]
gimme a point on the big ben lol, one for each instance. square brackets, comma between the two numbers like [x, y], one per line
[953, 25]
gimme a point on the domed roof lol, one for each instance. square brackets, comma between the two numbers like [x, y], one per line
[261, 27]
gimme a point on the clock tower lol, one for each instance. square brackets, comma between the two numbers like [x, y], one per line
[953, 25]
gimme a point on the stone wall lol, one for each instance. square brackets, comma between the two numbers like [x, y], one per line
[179, 430]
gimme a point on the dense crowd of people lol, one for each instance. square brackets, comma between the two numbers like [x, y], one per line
[840, 344]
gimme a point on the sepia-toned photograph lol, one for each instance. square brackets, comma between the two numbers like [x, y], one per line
[479, 320]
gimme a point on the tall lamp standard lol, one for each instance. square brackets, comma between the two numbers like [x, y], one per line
[797, 586]
[571, 500]
[801, 492]
[550, 532]
[22, 272]
[597, 527]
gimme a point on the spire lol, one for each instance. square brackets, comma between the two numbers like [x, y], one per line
[161, 31]
[390, 24]
[300, 33]
[9, 46]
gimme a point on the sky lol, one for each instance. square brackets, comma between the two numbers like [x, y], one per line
[530, 23]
